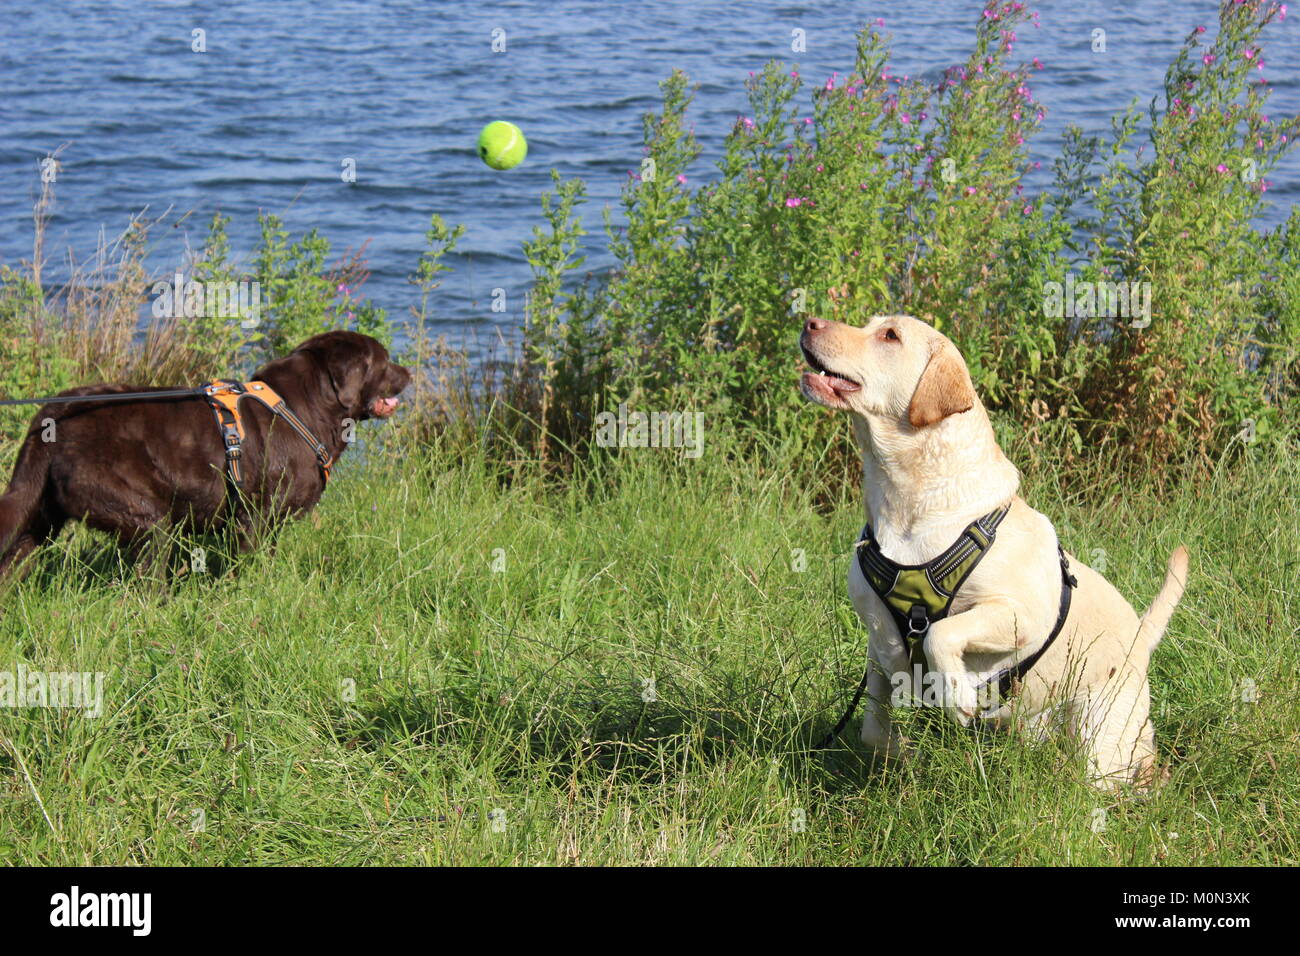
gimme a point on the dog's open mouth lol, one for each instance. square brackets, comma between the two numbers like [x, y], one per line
[825, 384]
[383, 407]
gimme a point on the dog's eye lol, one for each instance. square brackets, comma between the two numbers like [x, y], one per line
[890, 335]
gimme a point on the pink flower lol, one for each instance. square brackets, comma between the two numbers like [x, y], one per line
[1220, 168]
[681, 178]
[793, 201]
[1038, 65]
[970, 190]
[1207, 59]
[906, 118]
[1027, 210]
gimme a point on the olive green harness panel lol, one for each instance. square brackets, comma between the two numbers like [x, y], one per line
[918, 594]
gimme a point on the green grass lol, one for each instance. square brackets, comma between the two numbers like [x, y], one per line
[521, 690]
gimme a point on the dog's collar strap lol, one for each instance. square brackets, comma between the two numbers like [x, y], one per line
[917, 595]
[224, 397]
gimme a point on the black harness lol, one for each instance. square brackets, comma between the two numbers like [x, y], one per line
[917, 595]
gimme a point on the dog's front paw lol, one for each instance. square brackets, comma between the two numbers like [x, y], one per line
[956, 696]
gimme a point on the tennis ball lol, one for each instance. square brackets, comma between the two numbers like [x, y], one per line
[502, 145]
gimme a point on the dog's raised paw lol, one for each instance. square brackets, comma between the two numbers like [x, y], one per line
[957, 698]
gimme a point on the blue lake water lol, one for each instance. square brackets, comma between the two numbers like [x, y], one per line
[287, 90]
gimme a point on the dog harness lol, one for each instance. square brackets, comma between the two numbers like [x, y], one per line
[224, 397]
[917, 595]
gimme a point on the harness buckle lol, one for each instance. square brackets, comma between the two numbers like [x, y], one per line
[918, 626]
[918, 623]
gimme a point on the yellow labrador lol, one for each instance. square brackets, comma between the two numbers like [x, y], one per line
[933, 475]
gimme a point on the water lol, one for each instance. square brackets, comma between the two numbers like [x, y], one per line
[288, 90]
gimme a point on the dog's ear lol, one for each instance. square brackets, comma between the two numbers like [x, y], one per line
[346, 368]
[944, 389]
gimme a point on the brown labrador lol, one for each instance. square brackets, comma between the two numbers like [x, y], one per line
[132, 467]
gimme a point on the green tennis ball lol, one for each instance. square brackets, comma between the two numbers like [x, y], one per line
[502, 145]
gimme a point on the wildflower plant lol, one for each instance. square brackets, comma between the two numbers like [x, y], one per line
[876, 192]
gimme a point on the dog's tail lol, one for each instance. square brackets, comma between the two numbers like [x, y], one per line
[21, 502]
[1156, 619]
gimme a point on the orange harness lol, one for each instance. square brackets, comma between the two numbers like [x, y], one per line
[224, 398]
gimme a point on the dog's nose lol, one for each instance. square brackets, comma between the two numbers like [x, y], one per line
[815, 325]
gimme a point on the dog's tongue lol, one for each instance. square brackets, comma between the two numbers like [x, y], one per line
[383, 407]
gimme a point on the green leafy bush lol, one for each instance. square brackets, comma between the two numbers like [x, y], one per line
[886, 194]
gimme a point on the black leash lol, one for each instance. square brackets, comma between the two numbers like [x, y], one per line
[1006, 679]
[848, 714]
[106, 397]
